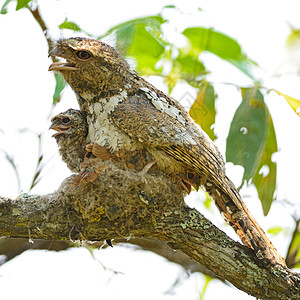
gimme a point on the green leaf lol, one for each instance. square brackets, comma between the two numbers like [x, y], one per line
[145, 48]
[248, 132]
[170, 6]
[243, 65]
[203, 110]
[207, 202]
[142, 40]
[69, 25]
[60, 85]
[265, 177]
[152, 21]
[3, 8]
[207, 39]
[293, 255]
[22, 3]
[186, 67]
[190, 67]
[172, 78]
[275, 230]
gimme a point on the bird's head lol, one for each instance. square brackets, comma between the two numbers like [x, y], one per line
[69, 124]
[91, 67]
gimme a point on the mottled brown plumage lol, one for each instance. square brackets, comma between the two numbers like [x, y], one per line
[71, 137]
[125, 112]
[82, 158]
[71, 127]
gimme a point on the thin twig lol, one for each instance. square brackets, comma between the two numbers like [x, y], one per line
[37, 16]
[11, 161]
[39, 167]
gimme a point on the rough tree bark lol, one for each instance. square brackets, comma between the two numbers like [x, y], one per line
[12, 247]
[119, 204]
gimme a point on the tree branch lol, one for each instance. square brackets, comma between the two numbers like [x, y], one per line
[161, 249]
[119, 205]
[34, 10]
[12, 247]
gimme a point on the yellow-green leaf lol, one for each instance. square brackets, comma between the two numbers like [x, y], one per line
[207, 202]
[294, 103]
[203, 110]
[275, 230]
[293, 38]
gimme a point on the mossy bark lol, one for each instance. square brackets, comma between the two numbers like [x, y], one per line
[120, 204]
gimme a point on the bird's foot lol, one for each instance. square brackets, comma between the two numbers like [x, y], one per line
[90, 170]
[84, 177]
[144, 171]
[99, 151]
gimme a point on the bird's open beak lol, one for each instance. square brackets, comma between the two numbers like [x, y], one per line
[59, 129]
[186, 186]
[60, 66]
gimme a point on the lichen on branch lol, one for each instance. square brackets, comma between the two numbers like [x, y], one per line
[122, 204]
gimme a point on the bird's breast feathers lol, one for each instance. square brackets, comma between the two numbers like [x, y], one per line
[102, 129]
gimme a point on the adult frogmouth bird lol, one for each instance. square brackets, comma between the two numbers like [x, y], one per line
[125, 112]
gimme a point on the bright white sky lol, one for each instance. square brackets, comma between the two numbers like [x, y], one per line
[261, 27]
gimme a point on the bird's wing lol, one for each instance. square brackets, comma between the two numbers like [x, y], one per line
[166, 127]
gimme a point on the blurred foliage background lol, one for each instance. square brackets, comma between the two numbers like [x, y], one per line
[251, 141]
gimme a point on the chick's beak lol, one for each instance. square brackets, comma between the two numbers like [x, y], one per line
[59, 129]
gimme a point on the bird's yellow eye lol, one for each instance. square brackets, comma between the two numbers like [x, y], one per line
[83, 55]
[65, 120]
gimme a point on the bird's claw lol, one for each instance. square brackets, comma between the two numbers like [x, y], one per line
[99, 151]
[84, 177]
[144, 171]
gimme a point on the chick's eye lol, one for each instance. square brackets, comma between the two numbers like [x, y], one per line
[65, 120]
[83, 55]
